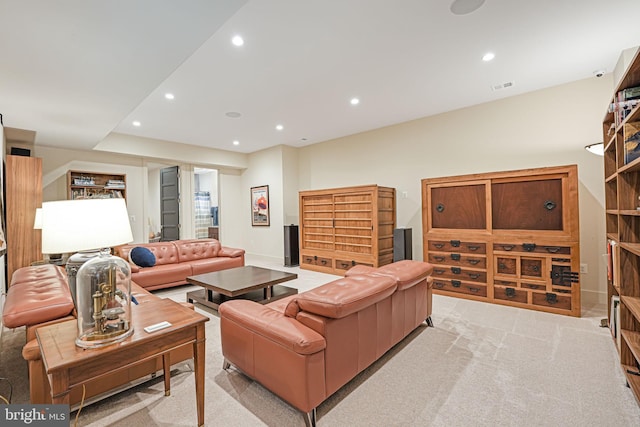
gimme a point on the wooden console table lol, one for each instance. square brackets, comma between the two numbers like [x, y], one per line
[69, 366]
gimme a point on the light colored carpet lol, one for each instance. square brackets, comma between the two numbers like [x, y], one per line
[481, 365]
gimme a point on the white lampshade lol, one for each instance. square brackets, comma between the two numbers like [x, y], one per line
[80, 225]
[37, 222]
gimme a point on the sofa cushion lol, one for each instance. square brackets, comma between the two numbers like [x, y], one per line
[406, 273]
[43, 297]
[209, 265]
[191, 250]
[142, 257]
[347, 295]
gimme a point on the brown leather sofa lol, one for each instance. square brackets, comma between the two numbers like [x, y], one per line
[39, 296]
[178, 259]
[305, 347]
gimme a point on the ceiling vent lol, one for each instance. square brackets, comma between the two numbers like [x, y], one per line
[505, 85]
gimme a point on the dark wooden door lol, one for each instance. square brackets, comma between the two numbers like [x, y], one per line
[459, 207]
[170, 203]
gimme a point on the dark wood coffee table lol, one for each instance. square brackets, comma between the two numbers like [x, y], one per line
[248, 282]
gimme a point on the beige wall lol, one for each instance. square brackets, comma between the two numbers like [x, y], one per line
[544, 128]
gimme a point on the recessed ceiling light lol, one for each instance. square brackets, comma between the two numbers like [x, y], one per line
[169, 96]
[233, 114]
[236, 142]
[355, 101]
[488, 56]
[237, 41]
[279, 127]
[136, 123]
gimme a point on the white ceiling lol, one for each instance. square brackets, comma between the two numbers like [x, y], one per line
[73, 71]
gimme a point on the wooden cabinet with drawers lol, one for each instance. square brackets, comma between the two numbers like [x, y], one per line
[343, 227]
[509, 238]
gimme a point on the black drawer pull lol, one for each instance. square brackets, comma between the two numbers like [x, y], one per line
[455, 243]
[438, 271]
[507, 247]
[440, 207]
[473, 248]
[533, 286]
[473, 275]
[439, 258]
[473, 261]
[439, 285]
[456, 270]
[549, 205]
[344, 264]
[456, 283]
[535, 268]
[474, 289]
[502, 265]
[438, 245]
[504, 282]
[529, 247]
[324, 262]
[455, 257]
[552, 249]
[510, 292]
[551, 298]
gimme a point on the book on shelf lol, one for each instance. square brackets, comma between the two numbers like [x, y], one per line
[614, 319]
[612, 261]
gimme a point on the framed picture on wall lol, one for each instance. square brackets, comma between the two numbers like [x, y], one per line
[260, 205]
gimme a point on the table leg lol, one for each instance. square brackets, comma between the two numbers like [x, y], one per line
[59, 384]
[198, 362]
[166, 367]
[267, 293]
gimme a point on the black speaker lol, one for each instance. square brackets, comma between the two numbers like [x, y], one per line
[402, 245]
[291, 246]
[17, 151]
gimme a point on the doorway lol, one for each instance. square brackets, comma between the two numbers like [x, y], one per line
[205, 203]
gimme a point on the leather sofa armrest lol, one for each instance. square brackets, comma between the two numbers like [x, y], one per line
[272, 325]
[230, 252]
[134, 268]
[31, 351]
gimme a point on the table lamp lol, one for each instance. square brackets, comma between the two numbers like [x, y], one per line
[102, 285]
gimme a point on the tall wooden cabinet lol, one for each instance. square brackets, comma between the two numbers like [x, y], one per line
[343, 227]
[23, 197]
[621, 131]
[509, 238]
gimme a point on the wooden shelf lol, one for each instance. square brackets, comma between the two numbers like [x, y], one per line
[96, 185]
[622, 191]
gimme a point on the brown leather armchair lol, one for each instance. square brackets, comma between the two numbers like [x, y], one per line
[305, 347]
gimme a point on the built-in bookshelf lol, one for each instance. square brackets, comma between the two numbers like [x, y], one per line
[621, 131]
[92, 185]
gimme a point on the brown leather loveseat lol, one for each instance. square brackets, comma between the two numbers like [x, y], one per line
[305, 347]
[178, 259]
[40, 296]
